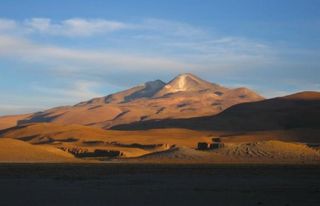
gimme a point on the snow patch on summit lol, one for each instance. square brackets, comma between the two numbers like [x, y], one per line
[180, 84]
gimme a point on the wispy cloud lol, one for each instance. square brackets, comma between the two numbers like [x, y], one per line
[12, 109]
[81, 59]
[82, 27]
[73, 27]
[41, 97]
[171, 28]
[7, 24]
[83, 51]
[80, 90]
[151, 45]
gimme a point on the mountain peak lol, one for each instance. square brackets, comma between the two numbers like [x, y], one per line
[185, 82]
[186, 76]
[148, 90]
[156, 83]
[185, 96]
[183, 75]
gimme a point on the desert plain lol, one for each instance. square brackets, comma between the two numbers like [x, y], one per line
[185, 142]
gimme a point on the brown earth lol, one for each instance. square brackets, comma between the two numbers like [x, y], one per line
[12, 150]
[131, 144]
[11, 121]
[278, 130]
[173, 145]
[185, 96]
[266, 152]
[301, 110]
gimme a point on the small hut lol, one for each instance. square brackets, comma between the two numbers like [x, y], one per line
[203, 146]
[216, 145]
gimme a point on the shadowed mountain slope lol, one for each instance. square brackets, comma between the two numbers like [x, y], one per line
[185, 96]
[300, 110]
[11, 121]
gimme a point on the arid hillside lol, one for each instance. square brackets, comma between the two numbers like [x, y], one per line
[300, 110]
[11, 121]
[84, 139]
[12, 150]
[268, 152]
[185, 96]
[82, 143]
[165, 123]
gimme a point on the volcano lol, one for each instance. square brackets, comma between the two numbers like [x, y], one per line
[185, 96]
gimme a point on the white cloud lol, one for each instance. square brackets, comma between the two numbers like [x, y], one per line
[272, 93]
[82, 59]
[80, 90]
[172, 28]
[12, 109]
[73, 27]
[45, 97]
[182, 45]
[155, 45]
[82, 27]
[7, 24]
[148, 48]
[207, 58]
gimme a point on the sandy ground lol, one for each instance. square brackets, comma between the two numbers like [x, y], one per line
[12, 150]
[120, 184]
[264, 152]
[11, 121]
[38, 142]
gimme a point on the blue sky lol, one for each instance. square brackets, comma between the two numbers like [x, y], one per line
[55, 53]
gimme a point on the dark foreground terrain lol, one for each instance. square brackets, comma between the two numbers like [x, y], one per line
[125, 184]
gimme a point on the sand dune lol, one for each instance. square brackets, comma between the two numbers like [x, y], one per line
[11, 121]
[152, 145]
[90, 138]
[257, 152]
[41, 132]
[271, 150]
[18, 151]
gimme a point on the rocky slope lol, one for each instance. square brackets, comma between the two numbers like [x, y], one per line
[185, 96]
[301, 110]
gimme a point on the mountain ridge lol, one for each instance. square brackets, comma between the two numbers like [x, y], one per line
[299, 110]
[185, 96]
